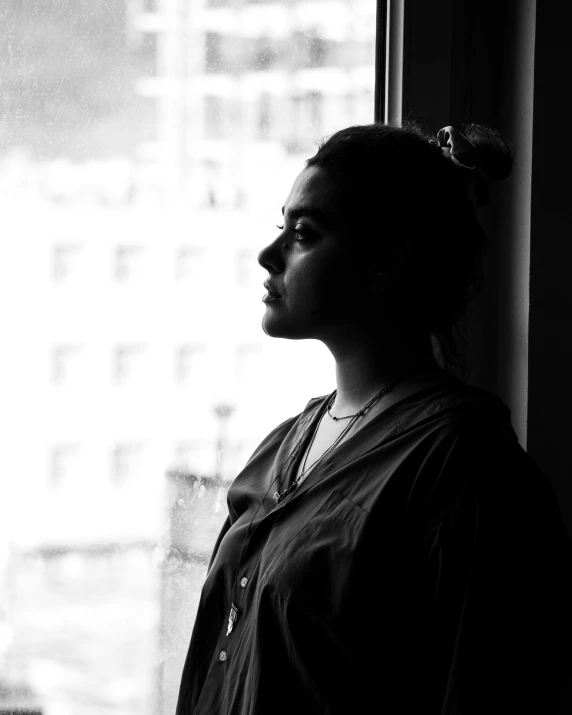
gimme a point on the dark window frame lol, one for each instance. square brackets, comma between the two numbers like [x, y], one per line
[380, 60]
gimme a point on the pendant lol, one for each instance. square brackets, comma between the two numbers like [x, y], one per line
[277, 496]
[232, 618]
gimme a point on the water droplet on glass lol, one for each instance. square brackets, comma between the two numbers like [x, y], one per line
[167, 559]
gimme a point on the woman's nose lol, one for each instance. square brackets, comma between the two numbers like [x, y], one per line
[271, 257]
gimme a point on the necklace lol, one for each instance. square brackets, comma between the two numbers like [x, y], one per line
[279, 496]
[347, 417]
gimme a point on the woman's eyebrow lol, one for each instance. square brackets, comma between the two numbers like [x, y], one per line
[318, 214]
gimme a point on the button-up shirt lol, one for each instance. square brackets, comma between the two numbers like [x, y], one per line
[422, 568]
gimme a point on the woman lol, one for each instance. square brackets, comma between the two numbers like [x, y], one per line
[392, 549]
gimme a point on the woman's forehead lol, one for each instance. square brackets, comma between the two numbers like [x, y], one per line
[313, 192]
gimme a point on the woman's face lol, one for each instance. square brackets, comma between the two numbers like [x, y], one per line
[316, 284]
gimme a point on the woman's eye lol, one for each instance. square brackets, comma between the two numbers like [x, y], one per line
[302, 234]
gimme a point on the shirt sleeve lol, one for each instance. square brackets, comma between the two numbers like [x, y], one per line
[497, 569]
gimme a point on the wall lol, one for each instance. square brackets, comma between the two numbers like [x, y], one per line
[503, 63]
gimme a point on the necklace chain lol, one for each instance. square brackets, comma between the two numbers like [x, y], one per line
[336, 419]
[279, 496]
[354, 419]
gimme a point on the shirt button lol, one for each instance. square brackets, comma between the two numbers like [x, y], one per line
[243, 581]
[222, 655]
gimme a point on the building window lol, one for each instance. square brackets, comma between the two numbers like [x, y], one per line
[317, 50]
[126, 462]
[127, 362]
[64, 463]
[311, 50]
[64, 259]
[127, 259]
[264, 116]
[265, 54]
[215, 60]
[213, 117]
[65, 362]
[306, 111]
[187, 359]
[187, 262]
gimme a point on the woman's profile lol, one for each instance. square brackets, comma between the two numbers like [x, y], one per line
[392, 548]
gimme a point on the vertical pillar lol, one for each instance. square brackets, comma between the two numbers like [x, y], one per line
[550, 335]
[394, 61]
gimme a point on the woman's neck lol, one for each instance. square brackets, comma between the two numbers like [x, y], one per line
[364, 367]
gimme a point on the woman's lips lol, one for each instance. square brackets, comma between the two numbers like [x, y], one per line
[270, 297]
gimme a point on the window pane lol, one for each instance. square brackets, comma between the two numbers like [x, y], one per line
[146, 149]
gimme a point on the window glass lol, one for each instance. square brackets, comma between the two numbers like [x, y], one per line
[146, 149]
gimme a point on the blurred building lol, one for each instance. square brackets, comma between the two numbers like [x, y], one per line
[132, 340]
[243, 85]
[140, 312]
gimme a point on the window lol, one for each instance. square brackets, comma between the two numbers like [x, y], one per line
[126, 462]
[216, 59]
[213, 118]
[64, 261]
[65, 363]
[188, 359]
[64, 464]
[264, 116]
[147, 147]
[312, 48]
[187, 262]
[265, 54]
[306, 110]
[315, 102]
[127, 261]
[127, 363]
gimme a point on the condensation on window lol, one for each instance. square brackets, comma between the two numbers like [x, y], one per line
[146, 149]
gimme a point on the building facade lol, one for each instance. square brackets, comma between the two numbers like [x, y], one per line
[134, 358]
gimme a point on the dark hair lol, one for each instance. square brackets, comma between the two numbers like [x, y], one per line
[397, 185]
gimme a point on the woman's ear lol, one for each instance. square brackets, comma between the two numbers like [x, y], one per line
[390, 271]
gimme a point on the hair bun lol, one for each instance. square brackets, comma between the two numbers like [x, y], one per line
[496, 153]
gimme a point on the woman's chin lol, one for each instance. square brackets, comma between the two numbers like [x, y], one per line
[272, 326]
[276, 327]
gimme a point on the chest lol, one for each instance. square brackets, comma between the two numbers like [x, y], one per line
[328, 435]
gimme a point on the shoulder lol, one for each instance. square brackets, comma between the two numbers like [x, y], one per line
[477, 413]
[474, 455]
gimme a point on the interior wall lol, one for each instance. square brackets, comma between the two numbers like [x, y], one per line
[550, 325]
[461, 67]
[550, 351]
[502, 62]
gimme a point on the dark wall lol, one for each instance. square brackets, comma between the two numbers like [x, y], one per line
[505, 63]
[550, 350]
[550, 338]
